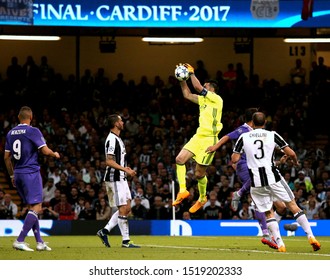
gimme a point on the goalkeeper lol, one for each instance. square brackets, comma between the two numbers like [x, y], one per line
[210, 112]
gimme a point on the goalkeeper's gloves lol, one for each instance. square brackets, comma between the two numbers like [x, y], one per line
[191, 69]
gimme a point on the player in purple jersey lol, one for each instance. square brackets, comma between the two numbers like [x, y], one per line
[21, 158]
[243, 174]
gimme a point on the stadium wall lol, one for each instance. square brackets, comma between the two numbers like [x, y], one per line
[164, 227]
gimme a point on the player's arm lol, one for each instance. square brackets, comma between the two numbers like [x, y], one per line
[49, 152]
[290, 153]
[9, 165]
[235, 157]
[222, 141]
[187, 93]
[286, 149]
[195, 82]
[110, 161]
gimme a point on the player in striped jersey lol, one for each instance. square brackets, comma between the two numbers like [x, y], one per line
[243, 174]
[118, 191]
[267, 183]
[210, 113]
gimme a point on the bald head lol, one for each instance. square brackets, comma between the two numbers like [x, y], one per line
[259, 119]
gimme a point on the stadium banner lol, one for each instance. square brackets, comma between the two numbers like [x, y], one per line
[165, 13]
[166, 228]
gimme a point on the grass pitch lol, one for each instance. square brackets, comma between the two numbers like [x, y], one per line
[166, 248]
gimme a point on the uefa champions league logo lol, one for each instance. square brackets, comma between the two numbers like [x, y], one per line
[265, 9]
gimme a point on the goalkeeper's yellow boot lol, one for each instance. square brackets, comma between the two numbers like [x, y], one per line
[315, 244]
[198, 205]
[180, 197]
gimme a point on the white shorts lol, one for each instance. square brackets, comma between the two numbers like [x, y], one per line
[118, 193]
[263, 197]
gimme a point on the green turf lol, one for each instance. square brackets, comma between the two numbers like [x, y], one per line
[166, 248]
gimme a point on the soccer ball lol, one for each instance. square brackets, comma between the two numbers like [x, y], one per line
[181, 73]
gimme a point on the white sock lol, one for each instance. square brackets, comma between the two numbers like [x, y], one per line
[113, 221]
[275, 231]
[123, 226]
[303, 222]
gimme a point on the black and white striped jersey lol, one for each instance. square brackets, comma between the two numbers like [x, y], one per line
[115, 146]
[259, 146]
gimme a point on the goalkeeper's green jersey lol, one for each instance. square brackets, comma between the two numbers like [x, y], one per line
[210, 113]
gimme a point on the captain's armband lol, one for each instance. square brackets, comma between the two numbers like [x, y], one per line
[203, 92]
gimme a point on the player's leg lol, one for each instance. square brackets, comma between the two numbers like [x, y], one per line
[41, 245]
[243, 174]
[266, 237]
[29, 221]
[275, 230]
[203, 161]
[118, 191]
[181, 160]
[112, 198]
[280, 211]
[124, 227]
[124, 211]
[263, 199]
[301, 219]
[30, 187]
[200, 174]
[286, 195]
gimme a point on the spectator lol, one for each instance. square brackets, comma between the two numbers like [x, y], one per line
[287, 178]
[73, 196]
[8, 209]
[56, 199]
[63, 209]
[325, 180]
[157, 210]
[298, 73]
[247, 212]
[311, 208]
[186, 216]
[309, 171]
[144, 201]
[78, 207]
[132, 126]
[139, 212]
[302, 178]
[145, 176]
[88, 212]
[2, 195]
[212, 211]
[48, 192]
[103, 210]
[325, 210]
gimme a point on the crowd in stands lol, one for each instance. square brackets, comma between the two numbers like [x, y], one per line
[158, 122]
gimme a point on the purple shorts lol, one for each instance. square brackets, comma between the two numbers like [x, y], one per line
[29, 186]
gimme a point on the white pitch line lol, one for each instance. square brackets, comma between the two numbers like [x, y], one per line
[239, 250]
